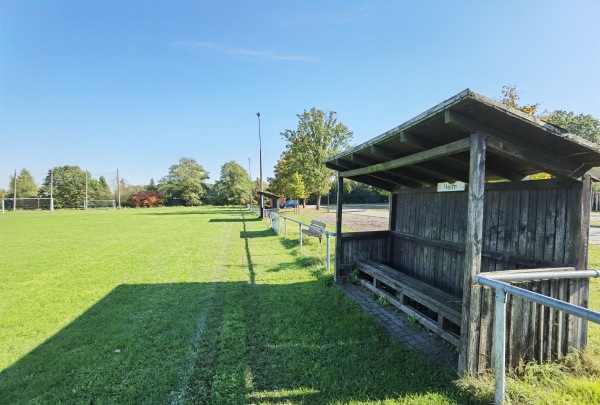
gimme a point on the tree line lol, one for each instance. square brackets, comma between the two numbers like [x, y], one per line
[299, 172]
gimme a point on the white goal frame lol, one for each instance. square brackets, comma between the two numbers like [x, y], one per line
[8, 203]
[108, 204]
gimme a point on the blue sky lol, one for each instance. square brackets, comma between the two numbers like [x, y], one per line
[135, 85]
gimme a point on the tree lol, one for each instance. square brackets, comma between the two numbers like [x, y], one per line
[26, 186]
[297, 188]
[510, 98]
[68, 183]
[147, 198]
[152, 186]
[103, 192]
[319, 135]
[128, 190]
[185, 181]
[586, 126]
[280, 183]
[234, 185]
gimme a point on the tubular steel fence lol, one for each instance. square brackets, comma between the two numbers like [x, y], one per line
[275, 222]
[499, 282]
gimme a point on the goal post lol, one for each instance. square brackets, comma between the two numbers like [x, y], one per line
[99, 204]
[29, 203]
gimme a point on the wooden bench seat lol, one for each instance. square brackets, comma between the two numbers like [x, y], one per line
[316, 229]
[435, 309]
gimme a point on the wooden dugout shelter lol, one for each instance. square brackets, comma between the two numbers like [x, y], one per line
[438, 241]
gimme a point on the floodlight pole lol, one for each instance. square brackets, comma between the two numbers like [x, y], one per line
[118, 189]
[15, 192]
[262, 202]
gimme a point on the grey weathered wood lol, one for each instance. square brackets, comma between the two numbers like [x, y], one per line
[584, 228]
[316, 229]
[440, 151]
[474, 329]
[473, 243]
[339, 257]
[445, 305]
[515, 148]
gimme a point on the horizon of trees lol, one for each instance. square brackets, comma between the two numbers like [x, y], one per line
[298, 174]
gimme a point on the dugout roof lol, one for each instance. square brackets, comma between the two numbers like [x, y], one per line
[434, 146]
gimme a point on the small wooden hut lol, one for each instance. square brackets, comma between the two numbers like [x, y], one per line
[462, 203]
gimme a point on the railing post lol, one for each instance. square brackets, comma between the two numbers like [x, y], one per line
[300, 229]
[499, 345]
[327, 252]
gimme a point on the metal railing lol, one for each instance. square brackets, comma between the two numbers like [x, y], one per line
[498, 282]
[275, 223]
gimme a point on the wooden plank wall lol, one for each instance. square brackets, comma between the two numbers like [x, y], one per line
[534, 332]
[526, 224]
[363, 246]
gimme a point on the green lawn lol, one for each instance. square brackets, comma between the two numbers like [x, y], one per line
[201, 305]
[187, 306]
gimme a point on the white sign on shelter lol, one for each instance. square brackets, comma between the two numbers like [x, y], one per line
[456, 186]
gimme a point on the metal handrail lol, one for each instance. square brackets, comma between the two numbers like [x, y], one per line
[300, 225]
[497, 282]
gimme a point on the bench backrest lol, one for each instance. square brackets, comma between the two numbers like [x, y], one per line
[317, 224]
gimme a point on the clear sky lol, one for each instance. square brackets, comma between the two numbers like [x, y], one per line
[135, 85]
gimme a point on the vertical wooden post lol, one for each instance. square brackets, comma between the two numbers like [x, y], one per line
[469, 328]
[337, 274]
[393, 207]
[584, 230]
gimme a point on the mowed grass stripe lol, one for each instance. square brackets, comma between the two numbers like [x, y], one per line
[156, 310]
[198, 305]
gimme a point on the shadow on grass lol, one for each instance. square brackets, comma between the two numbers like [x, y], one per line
[234, 219]
[202, 342]
[183, 212]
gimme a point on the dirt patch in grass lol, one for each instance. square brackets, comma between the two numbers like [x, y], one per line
[351, 221]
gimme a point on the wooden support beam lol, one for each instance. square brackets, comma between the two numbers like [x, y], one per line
[443, 172]
[517, 149]
[384, 181]
[401, 173]
[339, 258]
[469, 332]
[420, 142]
[435, 153]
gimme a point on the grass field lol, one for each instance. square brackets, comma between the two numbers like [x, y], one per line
[201, 305]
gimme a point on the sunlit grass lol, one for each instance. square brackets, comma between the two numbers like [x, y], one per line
[188, 306]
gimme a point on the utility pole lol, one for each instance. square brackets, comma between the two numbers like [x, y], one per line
[250, 174]
[262, 202]
[15, 192]
[118, 189]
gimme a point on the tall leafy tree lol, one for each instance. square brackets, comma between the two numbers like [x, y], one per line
[234, 184]
[185, 181]
[586, 126]
[319, 135]
[26, 186]
[68, 184]
[283, 171]
[104, 192]
[297, 188]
